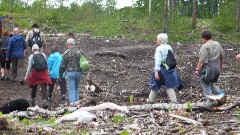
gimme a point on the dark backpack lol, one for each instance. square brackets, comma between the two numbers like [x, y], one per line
[36, 39]
[4, 42]
[39, 62]
[170, 62]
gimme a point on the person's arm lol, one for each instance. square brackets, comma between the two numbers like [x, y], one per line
[49, 63]
[44, 42]
[198, 68]
[9, 49]
[158, 60]
[63, 65]
[30, 59]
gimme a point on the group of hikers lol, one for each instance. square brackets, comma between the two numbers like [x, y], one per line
[57, 67]
[208, 69]
[41, 70]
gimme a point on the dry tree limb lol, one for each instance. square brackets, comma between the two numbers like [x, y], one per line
[186, 119]
[111, 53]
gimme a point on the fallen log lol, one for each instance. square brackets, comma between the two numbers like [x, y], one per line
[186, 119]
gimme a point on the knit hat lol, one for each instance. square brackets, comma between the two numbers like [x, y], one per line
[70, 41]
[35, 47]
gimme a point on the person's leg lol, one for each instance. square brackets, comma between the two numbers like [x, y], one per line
[14, 68]
[44, 95]
[152, 96]
[51, 87]
[21, 70]
[71, 86]
[206, 88]
[216, 89]
[7, 71]
[171, 95]
[77, 82]
[33, 95]
[63, 88]
[2, 70]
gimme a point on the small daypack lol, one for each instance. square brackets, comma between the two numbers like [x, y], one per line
[36, 39]
[170, 62]
[4, 42]
[39, 62]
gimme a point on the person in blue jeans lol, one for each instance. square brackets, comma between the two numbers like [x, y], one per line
[71, 66]
[54, 62]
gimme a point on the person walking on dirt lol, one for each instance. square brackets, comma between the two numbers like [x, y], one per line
[37, 61]
[166, 76]
[16, 51]
[209, 64]
[71, 66]
[5, 65]
[35, 36]
[54, 62]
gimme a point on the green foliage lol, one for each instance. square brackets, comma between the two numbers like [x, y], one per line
[1, 114]
[52, 120]
[238, 115]
[131, 99]
[85, 132]
[124, 132]
[189, 105]
[117, 119]
[26, 121]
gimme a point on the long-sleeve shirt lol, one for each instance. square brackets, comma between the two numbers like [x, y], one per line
[30, 61]
[160, 55]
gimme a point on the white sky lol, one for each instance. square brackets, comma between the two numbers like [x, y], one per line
[120, 3]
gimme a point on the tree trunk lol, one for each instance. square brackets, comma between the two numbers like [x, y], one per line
[165, 16]
[238, 16]
[150, 7]
[194, 13]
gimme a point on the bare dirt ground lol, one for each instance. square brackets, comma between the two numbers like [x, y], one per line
[122, 68]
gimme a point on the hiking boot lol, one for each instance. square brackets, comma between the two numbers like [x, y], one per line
[13, 80]
[45, 104]
[22, 82]
[63, 98]
[7, 78]
[49, 99]
[2, 78]
[32, 101]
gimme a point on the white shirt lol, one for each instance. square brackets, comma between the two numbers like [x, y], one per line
[161, 54]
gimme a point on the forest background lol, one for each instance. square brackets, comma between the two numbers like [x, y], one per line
[183, 20]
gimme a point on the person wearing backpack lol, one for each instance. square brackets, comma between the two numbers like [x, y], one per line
[208, 68]
[71, 66]
[16, 51]
[162, 74]
[37, 72]
[5, 65]
[54, 62]
[35, 36]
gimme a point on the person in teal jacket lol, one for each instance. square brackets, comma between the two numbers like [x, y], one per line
[54, 62]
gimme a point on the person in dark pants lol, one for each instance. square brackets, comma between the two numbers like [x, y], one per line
[54, 62]
[5, 65]
[37, 78]
[16, 50]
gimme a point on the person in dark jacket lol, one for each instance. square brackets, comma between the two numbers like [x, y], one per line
[70, 65]
[5, 65]
[16, 52]
[209, 64]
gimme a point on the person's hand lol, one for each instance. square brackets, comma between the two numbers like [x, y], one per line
[25, 78]
[156, 75]
[7, 59]
[238, 57]
[196, 72]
